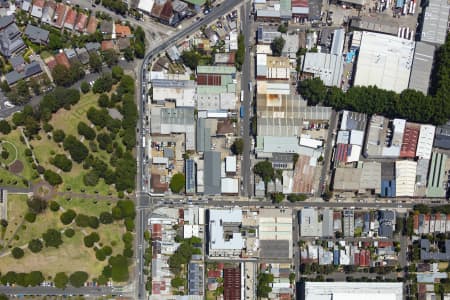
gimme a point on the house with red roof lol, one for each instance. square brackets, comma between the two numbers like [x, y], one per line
[81, 23]
[71, 17]
[107, 45]
[92, 25]
[38, 7]
[122, 31]
[60, 14]
[61, 59]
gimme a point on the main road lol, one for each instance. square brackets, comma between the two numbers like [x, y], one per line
[142, 196]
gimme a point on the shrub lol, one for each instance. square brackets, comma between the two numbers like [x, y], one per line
[106, 218]
[129, 224]
[68, 216]
[30, 217]
[17, 253]
[82, 220]
[85, 88]
[54, 206]
[69, 232]
[35, 245]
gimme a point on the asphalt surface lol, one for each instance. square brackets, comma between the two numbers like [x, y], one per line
[327, 155]
[143, 199]
[49, 291]
[246, 80]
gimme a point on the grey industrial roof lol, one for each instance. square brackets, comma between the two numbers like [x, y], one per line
[190, 176]
[326, 66]
[442, 138]
[435, 22]
[36, 34]
[181, 115]
[338, 41]
[212, 173]
[203, 136]
[315, 9]
[274, 249]
[421, 67]
[374, 25]
[176, 84]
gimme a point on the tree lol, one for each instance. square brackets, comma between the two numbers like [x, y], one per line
[265, 170]
[93, 222]
[119, 268]
[54, 206]
[422, 208]
[190, 58]
[61, 75]
[240, 53]
[61, 280]
[23, 92]
[177, 282]
[313, 90]
[34, 278]
[17, 253]
[85, 87]
[296, 197]
[58, 135]
[117, 73]
[263, 289]
[103, 100]
[106, 218]
[95, 62]
[91, 239]
[110, 57]
[78, 278]
[52, 177]
[277, 46]
[62, 162]
[282, 28]
[103, 83]
[35, 245]
[52, 238]
[67, 216]
[69, 232]
[30, 217]
[277, 197]
[177, 183]
[82, 220]
[238, 146]
[86, 131]
[5, 128]
[77, 149]
[37, 204]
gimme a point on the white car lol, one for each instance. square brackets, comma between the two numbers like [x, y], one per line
[9, 104]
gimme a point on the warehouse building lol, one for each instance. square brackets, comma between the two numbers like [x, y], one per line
[225, 238]
[435, 22]
[182, 92]
[425, 142]
[421, 67]
[352, 290]
[436, 186]
[405, 178]
[275, 233]
[384, 61]
[326, 66]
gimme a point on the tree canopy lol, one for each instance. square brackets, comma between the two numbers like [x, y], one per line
[177, 182]
[277, 46]
[265, 170]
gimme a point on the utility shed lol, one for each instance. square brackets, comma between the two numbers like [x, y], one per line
[421, 67]
[212, 173]
[435, 22]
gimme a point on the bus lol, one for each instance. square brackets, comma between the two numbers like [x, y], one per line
[242, 111]
[242, 95]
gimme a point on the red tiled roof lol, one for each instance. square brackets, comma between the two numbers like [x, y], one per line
[156, 183]
[51, 63]
[167, 11]
[81, 23]
[122, 31]
[60, 13]
[342, 152]
[382, 244]
[299, 3]
[214, 274]
[356, 260]
[61, 59]
[220, 266]
[106, 45]
[71, 17]
[92, 25]
[209, 79]
[409, 142]
[156, 10]
[39, 3]
[232, 283]
[416, 221]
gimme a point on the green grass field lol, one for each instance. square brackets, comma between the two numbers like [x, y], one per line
[11, 150]
[9, 179]
[51, 260]
[67, 120]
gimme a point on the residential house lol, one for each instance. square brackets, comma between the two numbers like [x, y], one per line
[83, 55]
[26, 5]
[38, 7]
[92, 25]
[28, 71]
[48, 12]
[71, 17]
[107, 45]
[60, 14]
[107, 27]
[36, 35]
[92, 47]
[123, 43]
[122, 31]
[18, 63]
[10, 39]
[71, 55]
[81, 23]
[61, 59]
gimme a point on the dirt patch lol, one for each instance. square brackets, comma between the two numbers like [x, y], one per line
[16, 167]
[43, 190]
